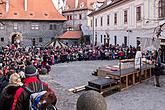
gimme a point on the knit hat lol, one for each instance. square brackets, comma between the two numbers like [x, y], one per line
[43, 71]
[15, 79]
[30, 71]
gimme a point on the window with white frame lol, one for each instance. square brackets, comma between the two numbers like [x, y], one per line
[125, 16]
[138, 13]
[115, 40]
[101, 38]
[101, 21]
[115, 18]
[2, 26]
[108, 20]
[15, 26]
[96, 22]
[34, 26]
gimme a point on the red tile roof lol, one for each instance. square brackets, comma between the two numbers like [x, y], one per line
[36, 10]
[71, 35]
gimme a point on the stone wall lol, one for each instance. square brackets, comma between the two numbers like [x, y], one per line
[25, 29]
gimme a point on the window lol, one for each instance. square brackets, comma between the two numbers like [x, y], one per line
[96, 22]
[80, 16]
[70, 17]
[115, 40]
[125, 40]
[101, 21]
[91, 23]
[125, 16]
[101, 38]
[2, 39]
[115, 18]
[0, 14]
[161, 8]
[52, 27]
[2, 26]
[34, 26]
[104, 39]
[138, 13]
[67, 17]
[15, 26]
[95, 38]
[138, 41]
[40, 39]
[108, 20]
[163, 40]
[33, 41]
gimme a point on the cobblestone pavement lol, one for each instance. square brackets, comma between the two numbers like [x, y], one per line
[143, 96]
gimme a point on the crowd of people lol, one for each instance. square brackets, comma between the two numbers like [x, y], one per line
[79, 53]
[20, 68]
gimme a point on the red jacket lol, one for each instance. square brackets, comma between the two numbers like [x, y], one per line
[21, 98]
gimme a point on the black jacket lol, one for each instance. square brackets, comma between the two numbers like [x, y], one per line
[157, 70]
[7, 97]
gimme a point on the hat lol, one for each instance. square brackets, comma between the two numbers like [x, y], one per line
[15, 79]
[43, 71]
[30, 71]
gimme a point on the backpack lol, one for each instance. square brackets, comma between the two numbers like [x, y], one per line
[38, 100]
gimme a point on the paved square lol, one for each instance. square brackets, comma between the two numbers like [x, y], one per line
[143, 96]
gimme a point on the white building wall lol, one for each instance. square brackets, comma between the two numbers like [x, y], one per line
[143, 28]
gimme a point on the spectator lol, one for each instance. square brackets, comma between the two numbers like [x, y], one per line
[7, 96]
[21, 98]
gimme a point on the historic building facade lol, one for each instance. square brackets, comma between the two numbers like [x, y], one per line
[125, 21]
[34, 21]
[76, 12]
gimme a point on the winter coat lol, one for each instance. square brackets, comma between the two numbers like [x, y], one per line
[21, 98]
[7, 96]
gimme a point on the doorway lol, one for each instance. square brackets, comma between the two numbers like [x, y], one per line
[13, 39]
[33, 41]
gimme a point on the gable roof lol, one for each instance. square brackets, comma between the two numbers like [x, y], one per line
[71, 35]
[36, 10]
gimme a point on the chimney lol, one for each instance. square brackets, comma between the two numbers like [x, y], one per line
[26, 5]
[7, 5]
